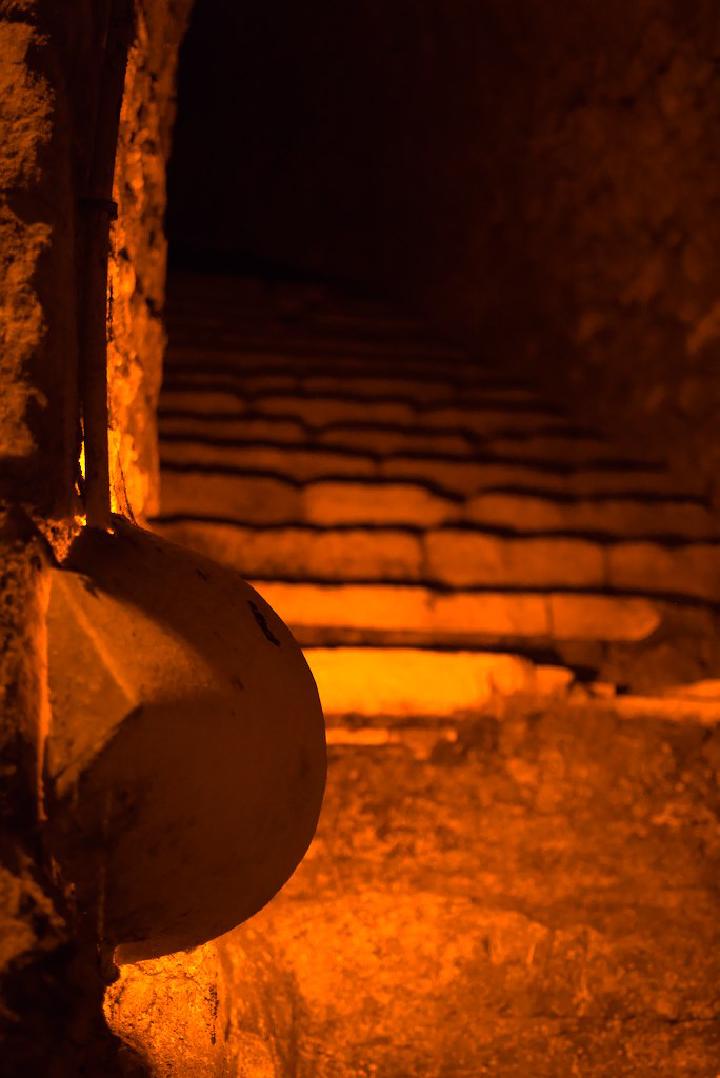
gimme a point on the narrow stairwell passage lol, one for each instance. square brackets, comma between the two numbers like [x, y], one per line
[513, 629]
[385, 491]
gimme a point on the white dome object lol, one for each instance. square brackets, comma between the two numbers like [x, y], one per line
[186, 756]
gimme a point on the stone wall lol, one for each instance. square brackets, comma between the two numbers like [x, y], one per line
[621, 202]
[50, 983]
[137, 264]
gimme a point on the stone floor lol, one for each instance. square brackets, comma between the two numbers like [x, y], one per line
[536, 896]
[516, 870]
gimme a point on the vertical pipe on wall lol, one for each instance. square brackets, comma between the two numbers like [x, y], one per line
[98, 211]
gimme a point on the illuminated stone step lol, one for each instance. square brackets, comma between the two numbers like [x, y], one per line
[389, 440]
[248, 427]
[413, 608]
[321, 411]
[352, 377]
[464, 557]
[386, 440]
[689, 569]
[437, 391]
[256, 499]
[296, 462]
[470, 474]
[477, 418]
[414, 682]
[329, 502]
[378, 554]
[600, 515]
[456, 558]
[303, 553]
[282, 446]
[423, 392]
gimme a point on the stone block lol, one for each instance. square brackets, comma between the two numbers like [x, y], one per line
[246, 498]
[692, 569]
[484, 420]
[602, 516]
[319, 411]
[547, 447]
[412, 390]
[463, 558]
[303, 553]
[411, 682]
[201, 401]
[297, 464]
[246, 428]
[601, 617]
[388, 441]
[408, 608]
[346, 502]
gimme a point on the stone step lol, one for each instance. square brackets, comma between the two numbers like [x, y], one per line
[466, 557]
[299, 463]
[354, 384]
[446, 556]
[289, 342]
[401, 608]
[254, 499]
[436, 391]
[249, 428]
[390, 439]
[388, 425]
[599, 515]
[684, 569]
[233, 363]
[386, 441]
[473, 473]
[299, 552]
[194, 441]
[416, 682]
[323, 409]
[329, 503]
[549, 447]
[213, 352]
[249, 498]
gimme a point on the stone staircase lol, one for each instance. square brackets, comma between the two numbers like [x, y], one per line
[513, 630]
[390, 495]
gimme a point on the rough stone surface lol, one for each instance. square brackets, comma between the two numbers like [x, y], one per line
[138, 249]
[466, 557]
[297, 553]
[256, 498]
[543, 888]
[347, 502]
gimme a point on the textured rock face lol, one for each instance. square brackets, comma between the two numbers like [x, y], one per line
[536, 896]
[137, 263]
[619, 199]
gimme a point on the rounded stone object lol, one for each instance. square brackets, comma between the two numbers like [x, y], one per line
[186, 756]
